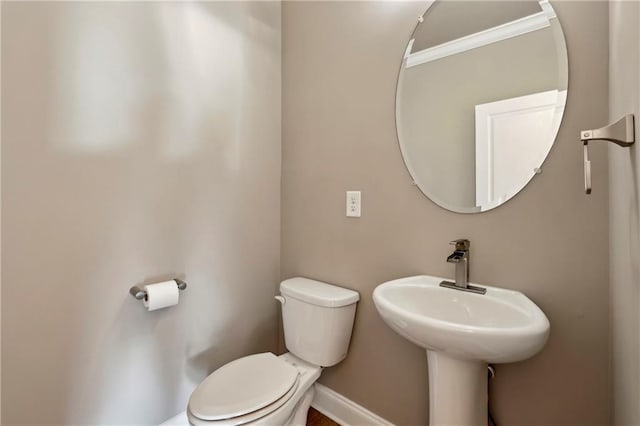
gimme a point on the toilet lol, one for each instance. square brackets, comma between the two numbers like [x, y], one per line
[265, 389]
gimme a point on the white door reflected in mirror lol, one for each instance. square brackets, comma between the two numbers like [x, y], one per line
[513, 137]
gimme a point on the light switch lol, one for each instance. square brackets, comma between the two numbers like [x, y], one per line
[353, 204]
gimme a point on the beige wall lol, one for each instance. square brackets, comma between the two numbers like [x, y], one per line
[340, 66]
[140, 141]
[624, 219]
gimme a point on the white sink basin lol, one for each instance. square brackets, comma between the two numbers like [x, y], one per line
[499, 326]
[462, 332]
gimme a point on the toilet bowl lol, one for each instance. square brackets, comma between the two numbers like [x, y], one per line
[265, 389]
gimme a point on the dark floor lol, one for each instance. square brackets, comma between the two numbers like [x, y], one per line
[316, 418]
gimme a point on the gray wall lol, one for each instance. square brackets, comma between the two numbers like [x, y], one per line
[340, 66]
[624, 219]
[141, 141]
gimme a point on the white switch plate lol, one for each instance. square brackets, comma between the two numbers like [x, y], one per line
[354, 205]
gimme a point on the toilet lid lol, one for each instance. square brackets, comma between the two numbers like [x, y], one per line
[242, 386]
[246, 418]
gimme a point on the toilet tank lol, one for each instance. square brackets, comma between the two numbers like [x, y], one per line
[318, 320]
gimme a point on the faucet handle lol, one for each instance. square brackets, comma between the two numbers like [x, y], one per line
[461, 244]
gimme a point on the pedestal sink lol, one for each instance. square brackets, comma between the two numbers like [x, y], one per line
[462, 333]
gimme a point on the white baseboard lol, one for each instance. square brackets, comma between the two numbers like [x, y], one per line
[343, 410]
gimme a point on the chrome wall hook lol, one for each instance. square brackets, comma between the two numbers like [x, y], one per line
[622, 133]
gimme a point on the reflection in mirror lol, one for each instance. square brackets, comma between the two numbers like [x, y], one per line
[480, 98]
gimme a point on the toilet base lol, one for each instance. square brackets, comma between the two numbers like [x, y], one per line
[299, 416]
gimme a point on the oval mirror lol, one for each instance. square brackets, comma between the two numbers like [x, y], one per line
[480, 98]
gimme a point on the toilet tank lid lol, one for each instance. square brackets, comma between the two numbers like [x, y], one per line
[318, 293]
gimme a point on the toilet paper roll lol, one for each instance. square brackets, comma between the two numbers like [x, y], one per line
[161, 295]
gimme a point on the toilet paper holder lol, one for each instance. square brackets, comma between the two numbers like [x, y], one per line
[140, 294]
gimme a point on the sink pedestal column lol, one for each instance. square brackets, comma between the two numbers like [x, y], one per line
[457, 391]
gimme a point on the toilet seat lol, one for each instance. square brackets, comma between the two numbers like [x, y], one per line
[244, 390]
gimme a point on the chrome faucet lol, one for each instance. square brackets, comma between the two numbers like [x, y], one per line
[460, 257]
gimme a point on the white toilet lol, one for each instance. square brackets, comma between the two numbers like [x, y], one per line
[265, 389]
